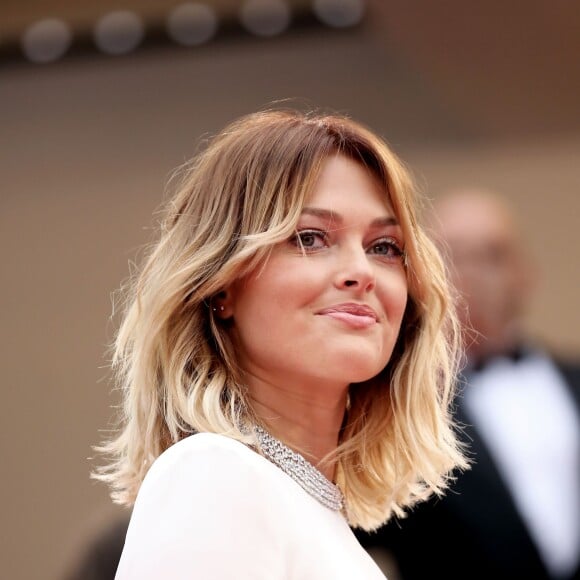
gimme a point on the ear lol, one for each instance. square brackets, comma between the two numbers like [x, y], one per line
[221, 305]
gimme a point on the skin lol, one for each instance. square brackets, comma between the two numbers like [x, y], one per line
[489, 268]
[298, 355]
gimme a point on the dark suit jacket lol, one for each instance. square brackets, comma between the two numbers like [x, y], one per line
[476, 523]
[101, 556]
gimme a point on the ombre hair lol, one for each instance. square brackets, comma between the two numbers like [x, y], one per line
[175, 361]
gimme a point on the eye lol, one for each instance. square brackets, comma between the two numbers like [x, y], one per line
[387, 247]
[309, 239]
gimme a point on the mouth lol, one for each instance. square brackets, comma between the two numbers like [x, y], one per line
[352, 314]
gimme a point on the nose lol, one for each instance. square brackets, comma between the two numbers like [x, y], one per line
[355, 271]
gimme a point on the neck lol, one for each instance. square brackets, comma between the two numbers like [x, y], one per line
[307, 420]
[496, 339]
[478, 358]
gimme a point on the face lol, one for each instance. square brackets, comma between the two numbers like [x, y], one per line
[327, 306]
[488, 267]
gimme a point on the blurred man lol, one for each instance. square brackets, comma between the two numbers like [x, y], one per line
[100, 558]
[516, 513]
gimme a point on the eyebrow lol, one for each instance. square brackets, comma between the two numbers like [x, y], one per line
[328, 214]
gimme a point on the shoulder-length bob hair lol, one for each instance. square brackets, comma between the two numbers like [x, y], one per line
[175, 362]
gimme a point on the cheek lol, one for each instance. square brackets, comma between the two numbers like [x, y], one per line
[254, 319]
[284, 282]
[261, 306]
[252, 308]
[395, 298]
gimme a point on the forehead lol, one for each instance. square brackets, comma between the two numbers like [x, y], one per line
[346, 182]
[474, 221]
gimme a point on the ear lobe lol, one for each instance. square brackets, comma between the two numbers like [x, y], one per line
[221, 305]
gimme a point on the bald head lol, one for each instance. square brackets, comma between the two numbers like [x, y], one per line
[471, 216]
[479, 234]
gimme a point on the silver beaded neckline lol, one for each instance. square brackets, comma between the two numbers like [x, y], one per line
[300, 470]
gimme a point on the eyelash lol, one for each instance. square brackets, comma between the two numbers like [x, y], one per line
[298, 241]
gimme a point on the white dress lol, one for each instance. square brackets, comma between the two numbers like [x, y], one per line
[211, 508]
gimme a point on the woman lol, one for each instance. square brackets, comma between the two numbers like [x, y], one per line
[286, 358]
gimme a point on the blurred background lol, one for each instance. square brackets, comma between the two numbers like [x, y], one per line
[100, 101]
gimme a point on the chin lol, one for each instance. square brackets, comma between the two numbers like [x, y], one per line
[356, 371]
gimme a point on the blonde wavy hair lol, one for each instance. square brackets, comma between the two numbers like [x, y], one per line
[176, 364]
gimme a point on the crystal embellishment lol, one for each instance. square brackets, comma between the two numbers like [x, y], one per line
[300, 470]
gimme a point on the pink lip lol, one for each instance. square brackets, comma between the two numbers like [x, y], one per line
[355, 315]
